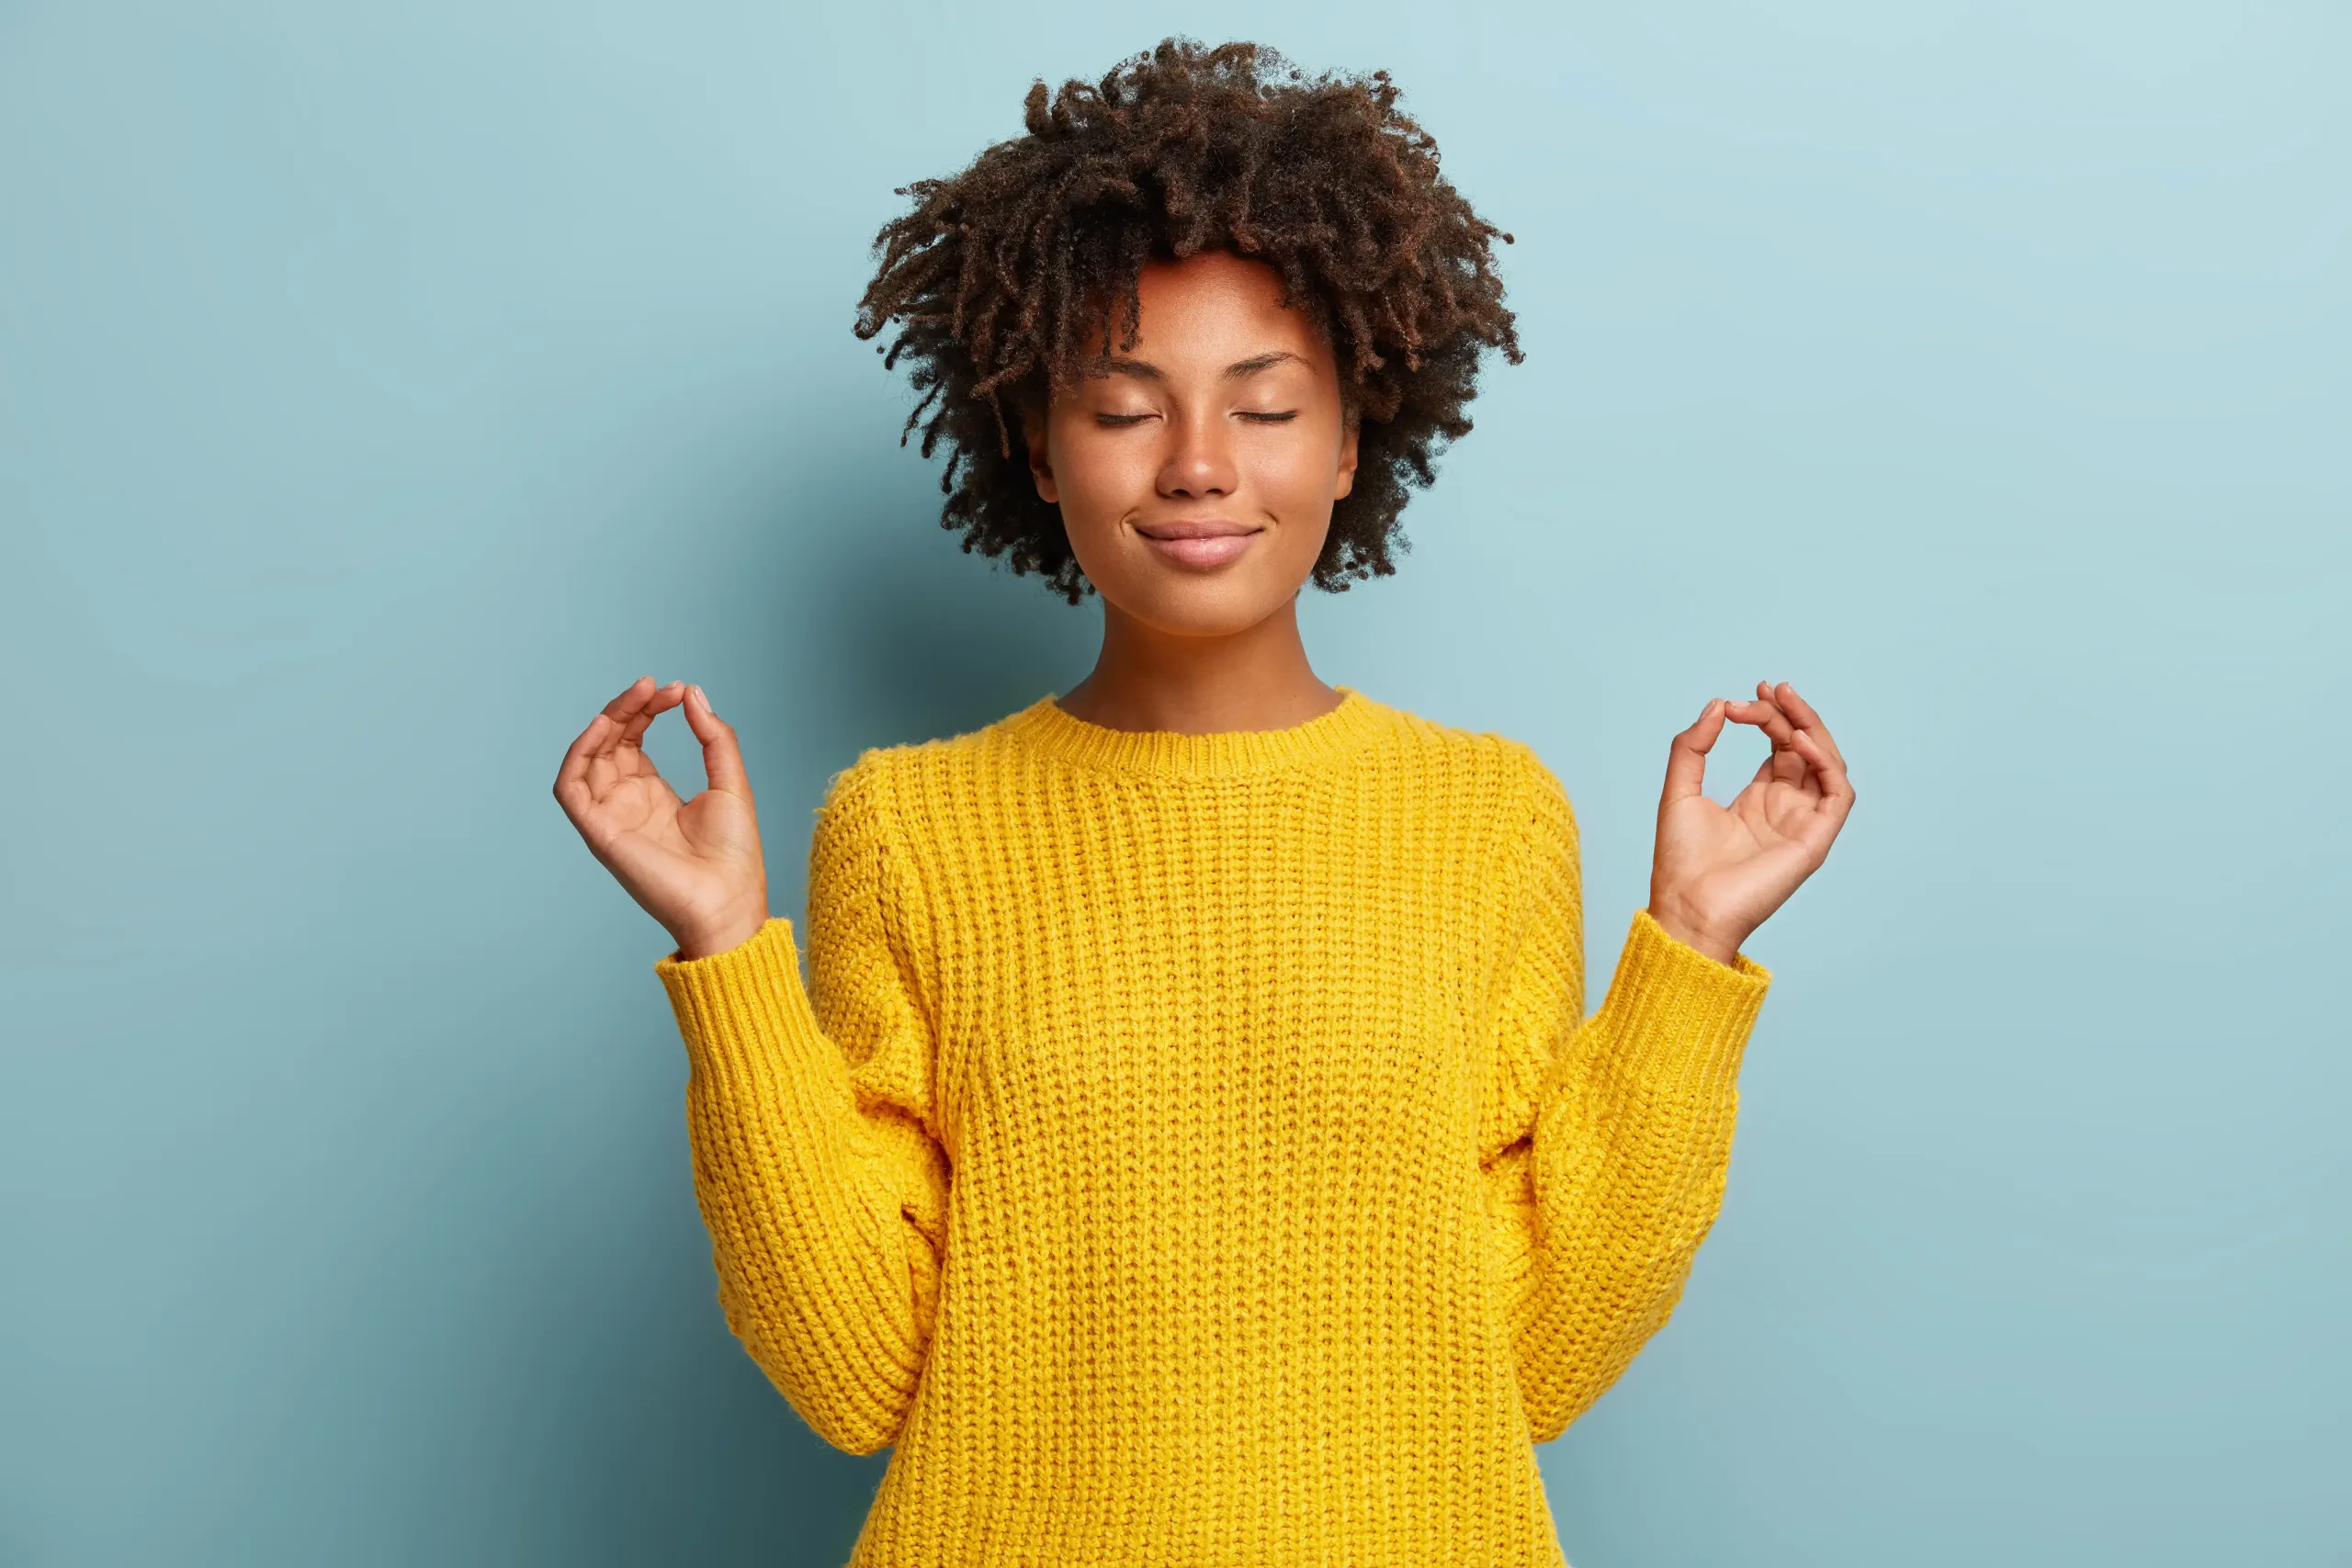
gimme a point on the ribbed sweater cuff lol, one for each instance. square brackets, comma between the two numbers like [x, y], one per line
[1674, 1019]
[732, 1002]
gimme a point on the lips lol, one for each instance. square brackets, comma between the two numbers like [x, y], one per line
[1198, 543]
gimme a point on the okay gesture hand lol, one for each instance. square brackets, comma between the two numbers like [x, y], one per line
[693, 865]
[1718, 870]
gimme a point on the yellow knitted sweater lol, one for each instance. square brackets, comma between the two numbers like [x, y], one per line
[1192, 1149]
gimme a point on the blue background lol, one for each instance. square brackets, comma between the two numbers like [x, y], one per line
[382, 388]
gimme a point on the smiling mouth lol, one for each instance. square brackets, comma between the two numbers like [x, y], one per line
[1206, 542]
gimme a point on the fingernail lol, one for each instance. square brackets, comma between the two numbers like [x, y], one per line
[702, 697]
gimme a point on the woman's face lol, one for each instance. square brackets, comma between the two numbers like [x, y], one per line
[1195, 480]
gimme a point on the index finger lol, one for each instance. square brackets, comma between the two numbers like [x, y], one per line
[1797, 709]
[603, 732]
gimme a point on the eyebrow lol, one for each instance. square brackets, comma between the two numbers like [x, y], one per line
[1146, 371]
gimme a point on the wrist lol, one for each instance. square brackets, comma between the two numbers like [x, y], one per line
[1721, 946]
[705, 939]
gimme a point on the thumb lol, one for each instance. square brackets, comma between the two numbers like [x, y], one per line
[1686, 761]
[722, 759]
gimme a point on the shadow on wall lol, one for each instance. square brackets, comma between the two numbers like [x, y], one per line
[939, 642]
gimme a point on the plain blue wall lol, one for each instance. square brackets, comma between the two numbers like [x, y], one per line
[382, 387]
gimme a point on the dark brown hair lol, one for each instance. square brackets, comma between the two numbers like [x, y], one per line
[999, 276]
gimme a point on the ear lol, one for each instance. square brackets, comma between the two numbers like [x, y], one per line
[1347, 463]
[1041, 472]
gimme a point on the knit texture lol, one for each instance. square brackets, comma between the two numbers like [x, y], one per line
[1192, 1149]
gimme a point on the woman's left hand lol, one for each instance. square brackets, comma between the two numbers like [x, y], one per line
[1719, 871]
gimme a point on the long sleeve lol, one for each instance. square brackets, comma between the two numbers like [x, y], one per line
[1605, 1141]
[813, 1121]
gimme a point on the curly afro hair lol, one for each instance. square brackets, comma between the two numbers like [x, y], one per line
[1000, 277]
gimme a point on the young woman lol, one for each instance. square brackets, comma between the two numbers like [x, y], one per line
[1191, 1147]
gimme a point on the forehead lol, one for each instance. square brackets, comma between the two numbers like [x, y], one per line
[1215, 307]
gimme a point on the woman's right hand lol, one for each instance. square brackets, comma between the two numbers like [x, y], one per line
[695, 866]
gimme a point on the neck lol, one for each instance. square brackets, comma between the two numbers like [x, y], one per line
[1150, 680]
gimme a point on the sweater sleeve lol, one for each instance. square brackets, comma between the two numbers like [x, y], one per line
[818, 1161]
[1606, 1141]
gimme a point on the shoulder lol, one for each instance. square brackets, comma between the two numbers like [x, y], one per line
[1495, 769]
[894, 790]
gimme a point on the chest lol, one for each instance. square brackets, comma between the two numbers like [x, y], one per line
[1237, 979]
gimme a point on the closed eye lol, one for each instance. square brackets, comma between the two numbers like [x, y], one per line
[1120, 420]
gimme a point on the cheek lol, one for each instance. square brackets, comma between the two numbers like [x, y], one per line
[1298, 473]
[1099, 477]
[1306, 472]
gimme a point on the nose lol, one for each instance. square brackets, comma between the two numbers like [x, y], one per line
[1199, 462]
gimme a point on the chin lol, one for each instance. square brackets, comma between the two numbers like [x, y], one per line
[1202, 605]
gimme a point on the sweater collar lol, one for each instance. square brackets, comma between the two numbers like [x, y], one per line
[1168, 753]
